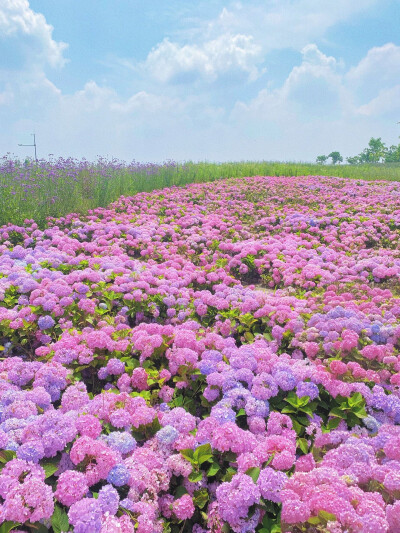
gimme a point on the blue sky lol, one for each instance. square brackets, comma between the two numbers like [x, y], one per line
[208, 79]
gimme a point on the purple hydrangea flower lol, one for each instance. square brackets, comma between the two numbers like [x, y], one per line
[167, 435]
[46, 322]
[119, 475]
[121, 441]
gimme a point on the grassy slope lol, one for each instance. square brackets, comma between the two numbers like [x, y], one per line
[58, 195]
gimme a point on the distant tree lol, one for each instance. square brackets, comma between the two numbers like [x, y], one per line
[336, 157]
[375, 152]
[393, 154]
[355, 160]
[322, 159]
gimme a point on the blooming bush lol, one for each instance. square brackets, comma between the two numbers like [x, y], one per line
[220, 357]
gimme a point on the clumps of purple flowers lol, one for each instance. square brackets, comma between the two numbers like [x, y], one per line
[221, 356]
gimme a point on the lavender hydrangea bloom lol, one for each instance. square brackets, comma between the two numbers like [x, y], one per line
[270, 483]
[167, 435]
[108, 499]
[119, 475]
[306, 388]
[121, 441]
[85, 515]
[46, 322]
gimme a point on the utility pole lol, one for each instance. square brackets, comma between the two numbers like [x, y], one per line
[34, 144]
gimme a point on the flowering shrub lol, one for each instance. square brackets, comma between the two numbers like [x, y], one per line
[220, 357]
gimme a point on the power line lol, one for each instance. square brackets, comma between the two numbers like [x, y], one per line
[34, 144]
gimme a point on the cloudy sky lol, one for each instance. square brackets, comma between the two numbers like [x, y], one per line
[198, 79]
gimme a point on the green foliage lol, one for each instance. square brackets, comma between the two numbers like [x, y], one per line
[253, 473]
[200, 455]
[377, 152]
[59, 520]
[374, 153]
[6, 455]
[50, 467]
[93, 188]
[336, 157]
[352, 410]
[5, 527]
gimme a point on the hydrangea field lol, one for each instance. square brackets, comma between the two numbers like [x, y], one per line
[218, 357]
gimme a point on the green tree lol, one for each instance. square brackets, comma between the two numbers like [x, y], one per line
[355, 160]
[322, 159]
[375, 152]
[336, 157]
[393, 154]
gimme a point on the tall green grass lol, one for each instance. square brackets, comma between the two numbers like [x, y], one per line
[48, 189]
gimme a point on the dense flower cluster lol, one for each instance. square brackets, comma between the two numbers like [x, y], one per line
[220, 357]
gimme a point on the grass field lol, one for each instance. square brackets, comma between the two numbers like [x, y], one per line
[55, 188]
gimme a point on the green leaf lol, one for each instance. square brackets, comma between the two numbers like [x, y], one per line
[153, 428]
[202, 453]
[249, 336]
[333, 423]
[230, 457]
[306, 410]
[293, 399]
[8, 526]
[253, 472]
[49, 468]
[59, 520]
[195, 476]
[336, 411]
[303, 420]
[205, 458]
[230, 472]
[188, 455]
[303, 401]
[360, 412]
[7, 455]
[352, 420]
[314, 520]
[270, 459]
[329, 517]
[303, 445]
[213, 470]
[356, 399]
[201, 497]
[271, 525]
[286, 410]
[180, 491]
[297, 427]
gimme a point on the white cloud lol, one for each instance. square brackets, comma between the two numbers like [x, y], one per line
[279, 24]
[378, 70]
[143, 100]
[239, 39]
[386, 103]
[227, 53]
[314, 111]
[312, 88]
[17, 19]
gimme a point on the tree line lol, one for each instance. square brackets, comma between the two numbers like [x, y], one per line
[375, 152]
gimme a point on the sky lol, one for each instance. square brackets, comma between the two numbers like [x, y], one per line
[198, 80]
